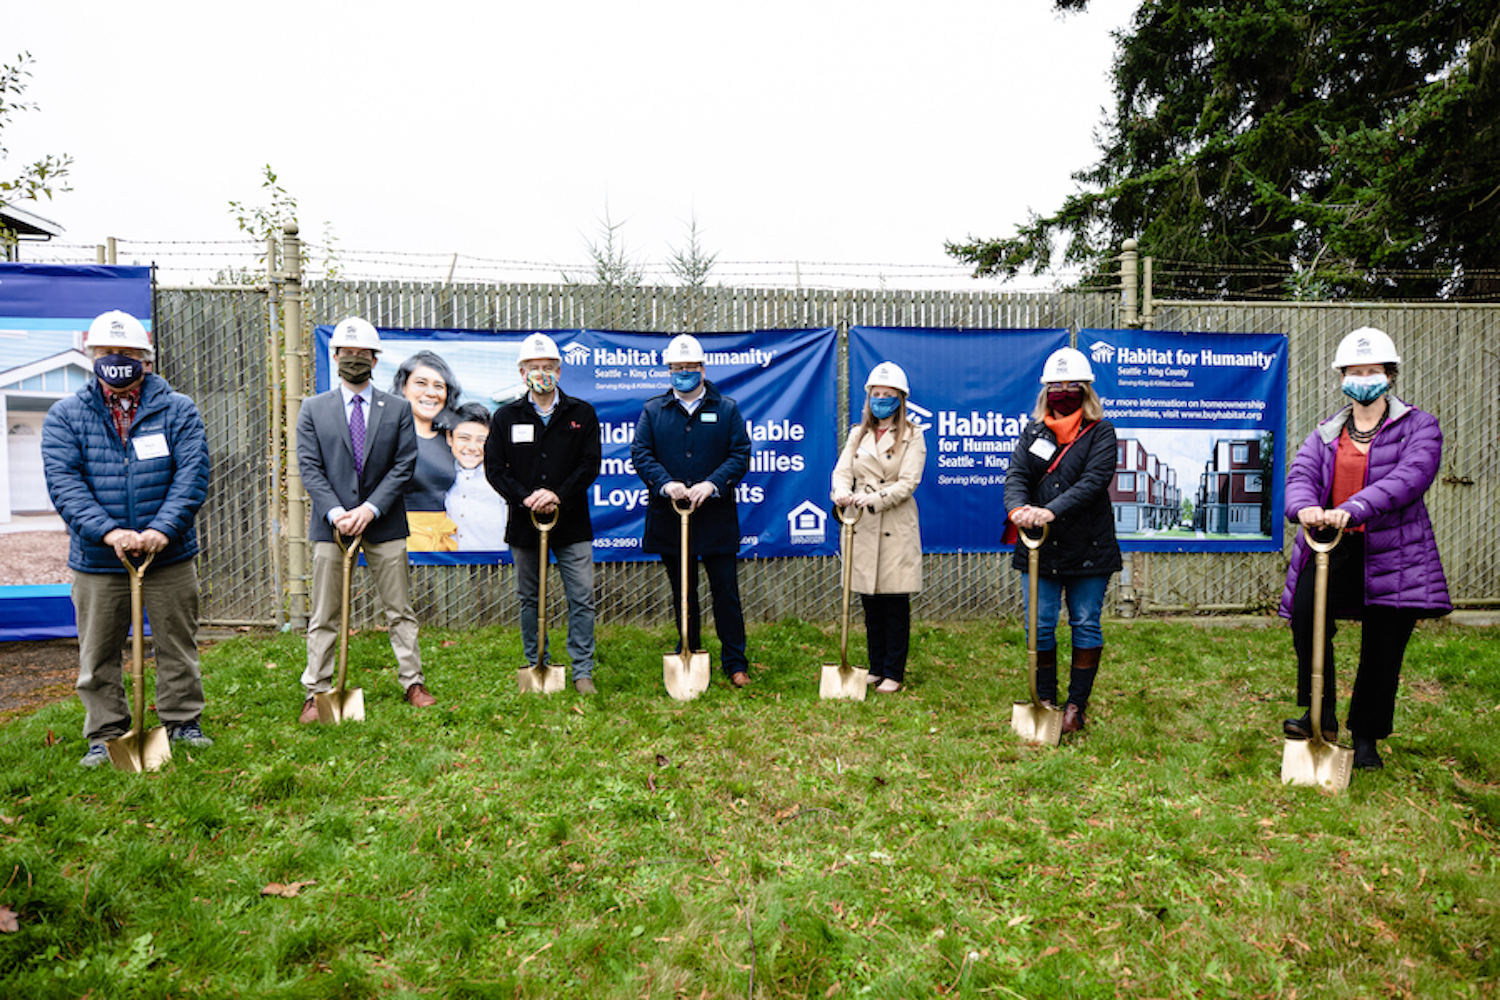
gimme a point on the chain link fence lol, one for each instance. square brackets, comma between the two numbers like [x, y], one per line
[221, 347]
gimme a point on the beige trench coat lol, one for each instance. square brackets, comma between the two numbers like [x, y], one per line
[887, 540]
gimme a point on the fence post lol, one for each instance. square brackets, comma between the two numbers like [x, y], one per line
[293, 353]
[1129, 280]
[273, 365]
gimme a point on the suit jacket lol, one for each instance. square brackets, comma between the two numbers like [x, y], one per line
[325, 457]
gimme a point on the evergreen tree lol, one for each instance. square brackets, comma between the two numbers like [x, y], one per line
[1291, 148]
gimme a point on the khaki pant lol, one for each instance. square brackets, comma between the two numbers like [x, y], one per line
[387, 564]
[101, 602]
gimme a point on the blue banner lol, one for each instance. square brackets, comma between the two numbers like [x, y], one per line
[45, 311]
[974, 390]
[784, 381]
[1201, 420]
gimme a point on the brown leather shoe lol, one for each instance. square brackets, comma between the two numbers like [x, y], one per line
[1072, 719]
[740, 679]
[417, 697]
[309, 712]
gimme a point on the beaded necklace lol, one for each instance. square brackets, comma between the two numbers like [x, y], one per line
[1365, 437]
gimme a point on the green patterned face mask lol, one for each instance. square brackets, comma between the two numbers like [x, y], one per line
[1365, 388]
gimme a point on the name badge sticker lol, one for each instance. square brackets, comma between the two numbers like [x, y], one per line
[710, 418]
[1043, 449]
[522, 434]
[151, 446]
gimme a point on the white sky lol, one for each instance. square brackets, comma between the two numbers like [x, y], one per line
[816, 132]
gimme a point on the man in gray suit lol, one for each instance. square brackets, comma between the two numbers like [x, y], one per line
[356, 450]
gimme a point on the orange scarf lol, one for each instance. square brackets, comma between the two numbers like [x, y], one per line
[1066, 428]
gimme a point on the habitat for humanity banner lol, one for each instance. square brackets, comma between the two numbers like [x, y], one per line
[45, 311]
[1201, 422]
[973, 390]
[783, 380]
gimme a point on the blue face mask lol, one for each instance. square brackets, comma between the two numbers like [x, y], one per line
[686, 381]
[882, 407]
[1365, 388]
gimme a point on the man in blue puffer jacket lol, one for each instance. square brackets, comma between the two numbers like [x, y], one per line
[127, 467]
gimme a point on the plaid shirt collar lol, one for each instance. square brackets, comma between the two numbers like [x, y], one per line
[122, 408]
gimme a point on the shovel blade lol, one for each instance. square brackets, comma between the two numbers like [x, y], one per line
[1308, 762]
[1037, 723]
[838, 681]
[686, 676]
[541, 680]
[140, 751]
[341, 706]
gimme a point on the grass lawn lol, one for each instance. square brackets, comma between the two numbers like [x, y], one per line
[765, 843]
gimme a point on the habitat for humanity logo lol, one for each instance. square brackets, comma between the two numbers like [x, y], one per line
[805, 523]
[576, 354]
[1101, 352]
[920, 415]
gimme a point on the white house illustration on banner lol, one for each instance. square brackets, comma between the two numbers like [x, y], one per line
[806, 523]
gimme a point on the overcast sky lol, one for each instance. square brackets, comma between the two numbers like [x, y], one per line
[862, 133]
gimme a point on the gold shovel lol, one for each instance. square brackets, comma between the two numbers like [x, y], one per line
[686, 674]
[343, 704]
[1032, 720]
[1315, 761]
[141, 749]
[840, 680]
[544, 678]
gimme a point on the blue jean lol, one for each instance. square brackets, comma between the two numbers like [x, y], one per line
[1085, 597]
[575, 564]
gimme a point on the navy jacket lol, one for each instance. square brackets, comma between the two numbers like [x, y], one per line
[325, 458]
[710, 446]
[523, 455]
[158, 478]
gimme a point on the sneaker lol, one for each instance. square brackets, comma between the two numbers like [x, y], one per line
[97, 755]
[189, 733]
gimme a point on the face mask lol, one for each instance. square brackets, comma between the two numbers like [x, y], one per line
[1365, 388]
[118, 371]
[882, 407]
[541, 381]
[1065, 402]
[686, 381]
[355, 370]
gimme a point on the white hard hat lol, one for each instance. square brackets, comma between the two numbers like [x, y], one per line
[119, 329]
[355, 332]
[1366, 346]
[1067, 365]
[890, 375]
[538, 346]
[684, 350]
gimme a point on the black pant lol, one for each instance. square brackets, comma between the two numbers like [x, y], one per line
[724, 585]
[1382, 645]
[887, 633]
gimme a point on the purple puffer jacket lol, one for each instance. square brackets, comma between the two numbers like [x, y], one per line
[1402, 568]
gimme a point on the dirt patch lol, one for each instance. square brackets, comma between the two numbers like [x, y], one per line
[34, 674]
[28, 558]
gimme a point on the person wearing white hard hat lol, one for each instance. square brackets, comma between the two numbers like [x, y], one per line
[478, 513]
[879, 470]
[691, 445]
[356, 451]
[127, 466]
[542, 456]
[429, 385]
[1365, 469]
[1059, 477]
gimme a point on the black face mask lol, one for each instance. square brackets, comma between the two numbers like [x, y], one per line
[355, 371]
[1065, 402]
[119, 371]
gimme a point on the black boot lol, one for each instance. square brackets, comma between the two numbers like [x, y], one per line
[1081, 674]
[1046, 676]
[1366, 756]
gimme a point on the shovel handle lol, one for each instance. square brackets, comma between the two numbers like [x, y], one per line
[1031, 542]
[840, 514]
[1313, 542]
[351, 546]
[138, 570]
[546, 522]
[683, 507]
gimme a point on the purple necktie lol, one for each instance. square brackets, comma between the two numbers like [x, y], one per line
[357, 433]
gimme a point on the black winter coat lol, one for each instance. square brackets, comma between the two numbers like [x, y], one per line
[710, 446]
[1081, 538]
[523, 455]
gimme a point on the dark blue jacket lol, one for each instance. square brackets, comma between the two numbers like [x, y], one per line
[98, 483]
[710, 446]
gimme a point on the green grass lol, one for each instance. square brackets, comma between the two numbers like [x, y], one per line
[631, 846]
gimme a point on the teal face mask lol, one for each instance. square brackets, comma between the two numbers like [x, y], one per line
[882, 407]
[1365, 388]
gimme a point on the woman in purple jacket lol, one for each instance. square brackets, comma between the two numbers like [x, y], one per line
[1365, 469]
